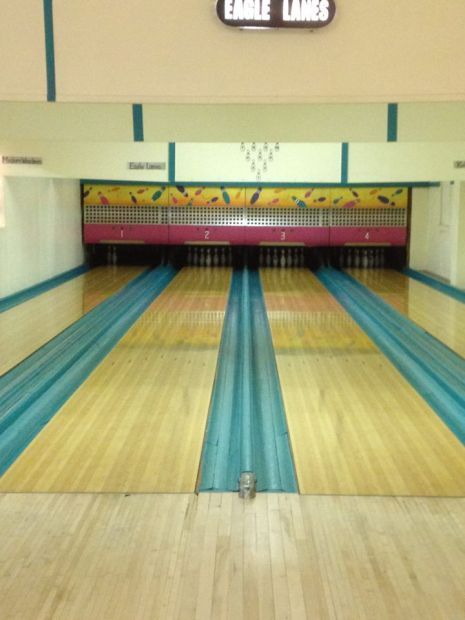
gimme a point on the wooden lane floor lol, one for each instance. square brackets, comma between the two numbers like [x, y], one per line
[437, 313]
[137, 424]
[178, 556]
[27, 327]
[356, 425]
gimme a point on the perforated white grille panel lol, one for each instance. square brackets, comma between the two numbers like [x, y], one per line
[206, 216]
[287, 217]
[209, 216]
[368, 217]
[103, 214]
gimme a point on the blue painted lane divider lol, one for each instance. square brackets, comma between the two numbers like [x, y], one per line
[247, 429]
[447, 289]
[436, 372]
[18, 298]
[48, 378]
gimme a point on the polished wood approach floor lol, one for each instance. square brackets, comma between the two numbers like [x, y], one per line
[27, 327]
[356, 426]
[146, 557]
[137, 424]
[436, 313]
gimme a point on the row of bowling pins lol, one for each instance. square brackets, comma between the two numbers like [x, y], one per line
[365, 258]
[287, 257]
[112, 256]
[208, 257]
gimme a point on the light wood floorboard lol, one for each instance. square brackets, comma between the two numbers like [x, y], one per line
[436, 313]
[27, 327]
[137, 423]
[356, 425]
[118, 557]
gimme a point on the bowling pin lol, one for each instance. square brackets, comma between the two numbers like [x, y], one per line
[357, 259]
[109, 255]
[370, 259]
[268, 257]
[216, 260]
[114, 258]
[223, 257]
[195, 258]
[208, 259]
[289, 257]
[296, 258]
[282, 260]
[275, 258]
[301, 258]
[365, 259]
[202, 258]
[349, 258]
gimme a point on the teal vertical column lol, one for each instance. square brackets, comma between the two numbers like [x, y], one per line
[392, 120]
[172, 162]
[344, 162]
[49, 50]
[138, 122]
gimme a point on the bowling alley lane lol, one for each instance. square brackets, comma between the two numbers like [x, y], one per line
[28, 326]
[440, 315]
[356, 426]
[137, 423]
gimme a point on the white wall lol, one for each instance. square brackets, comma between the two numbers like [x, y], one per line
[165, 51]
[353, 122]
[432, 229]
[87, 160]
[293, 163]
[405, 161]
[22, 51]
[42, 233]
[66, 121]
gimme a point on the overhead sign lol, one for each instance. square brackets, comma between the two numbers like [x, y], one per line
[308, 14]
[22, 159]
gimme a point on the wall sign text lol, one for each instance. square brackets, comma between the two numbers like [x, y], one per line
[22, 159]
[308, 14]
[147, 165]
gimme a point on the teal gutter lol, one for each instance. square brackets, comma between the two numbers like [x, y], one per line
[447, 289]
[34, 391]
[436, 372]
[6, 303]
[247, 436]
[247, 429]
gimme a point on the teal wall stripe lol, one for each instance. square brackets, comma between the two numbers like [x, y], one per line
[138, 122]
[344, 162]
[37, 289]
[49, 50]
[392, 118]
[172, 163]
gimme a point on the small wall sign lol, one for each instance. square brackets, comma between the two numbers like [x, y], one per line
[308, 14]
[22, 160]
[147, 165]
